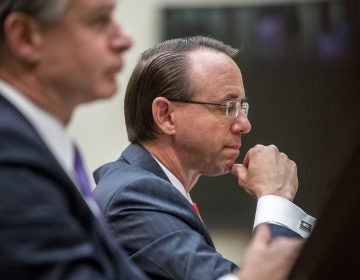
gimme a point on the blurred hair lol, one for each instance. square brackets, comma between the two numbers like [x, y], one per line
[44, 11]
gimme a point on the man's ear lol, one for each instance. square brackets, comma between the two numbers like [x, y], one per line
[23, 36]
[162, 110]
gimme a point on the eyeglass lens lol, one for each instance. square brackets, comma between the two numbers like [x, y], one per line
[233, 108]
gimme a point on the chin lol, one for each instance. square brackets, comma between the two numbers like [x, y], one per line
[219, 167]
[107, 91]
[220, 170]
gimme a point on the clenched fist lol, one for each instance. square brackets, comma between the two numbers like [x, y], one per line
[267, 171]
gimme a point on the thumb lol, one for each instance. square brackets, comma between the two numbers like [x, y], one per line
[239, 171]
[262, 235]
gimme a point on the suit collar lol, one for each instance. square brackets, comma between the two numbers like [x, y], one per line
[137, 155]
[50, 129]
[24, 145]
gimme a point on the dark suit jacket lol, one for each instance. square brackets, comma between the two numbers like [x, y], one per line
[154, 221]
[46, 229]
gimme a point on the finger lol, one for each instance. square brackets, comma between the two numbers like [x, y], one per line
[262, 235]
[239, 171]
[284, 156]
[272, 146]
[295, 243]
[246, 160]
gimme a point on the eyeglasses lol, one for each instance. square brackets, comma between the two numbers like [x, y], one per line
[232, 108]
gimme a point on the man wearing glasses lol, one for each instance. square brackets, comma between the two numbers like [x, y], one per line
[185, 112]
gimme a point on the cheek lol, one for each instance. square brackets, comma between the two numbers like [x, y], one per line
[203, 131]
[208, 141]
[91, 68]
[87, 54]
[70, 62]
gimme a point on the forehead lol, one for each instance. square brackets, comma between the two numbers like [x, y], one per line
[215, 75]
[83, 6]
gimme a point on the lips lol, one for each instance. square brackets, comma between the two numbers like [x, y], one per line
[233, 151]
[235, 146]
[116, 68]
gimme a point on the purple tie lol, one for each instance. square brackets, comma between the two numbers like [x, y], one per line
[85, 186]
[81, 174]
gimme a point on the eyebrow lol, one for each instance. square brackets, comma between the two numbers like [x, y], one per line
[233, 97]
[105, 8]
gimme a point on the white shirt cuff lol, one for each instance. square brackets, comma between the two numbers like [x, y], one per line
[229, 277]
[278, 210]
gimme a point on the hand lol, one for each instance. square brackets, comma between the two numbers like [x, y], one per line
[269, 259]
[267, 171]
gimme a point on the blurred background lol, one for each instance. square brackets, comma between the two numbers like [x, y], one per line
[300, 63]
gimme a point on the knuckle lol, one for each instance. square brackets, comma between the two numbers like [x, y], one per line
[283, 155]
[273, 147]
[258, 147]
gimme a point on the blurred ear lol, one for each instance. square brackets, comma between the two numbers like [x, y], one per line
[23, 36]
[162, 110]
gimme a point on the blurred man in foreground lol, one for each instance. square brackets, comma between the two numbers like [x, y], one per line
[54, 56]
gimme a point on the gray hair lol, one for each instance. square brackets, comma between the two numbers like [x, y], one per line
[45, 11]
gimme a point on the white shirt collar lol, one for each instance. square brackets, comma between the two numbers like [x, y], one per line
[50, 129]
[174, 181]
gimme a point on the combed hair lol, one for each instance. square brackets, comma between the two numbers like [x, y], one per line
[162, 71]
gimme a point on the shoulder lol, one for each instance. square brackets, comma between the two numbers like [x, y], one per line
[17, 135]
[26, 164]
[119, 180]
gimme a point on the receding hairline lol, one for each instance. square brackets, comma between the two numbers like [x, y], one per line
[188, 54]
[196, 56]
[186, 45]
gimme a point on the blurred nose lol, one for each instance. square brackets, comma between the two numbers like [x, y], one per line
[120, 40]
[241, 124]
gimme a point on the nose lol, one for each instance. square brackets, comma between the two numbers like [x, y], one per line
[120, 40]
[241, 124]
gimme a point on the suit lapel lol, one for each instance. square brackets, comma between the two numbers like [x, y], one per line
[136, 155]
[24, 145]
